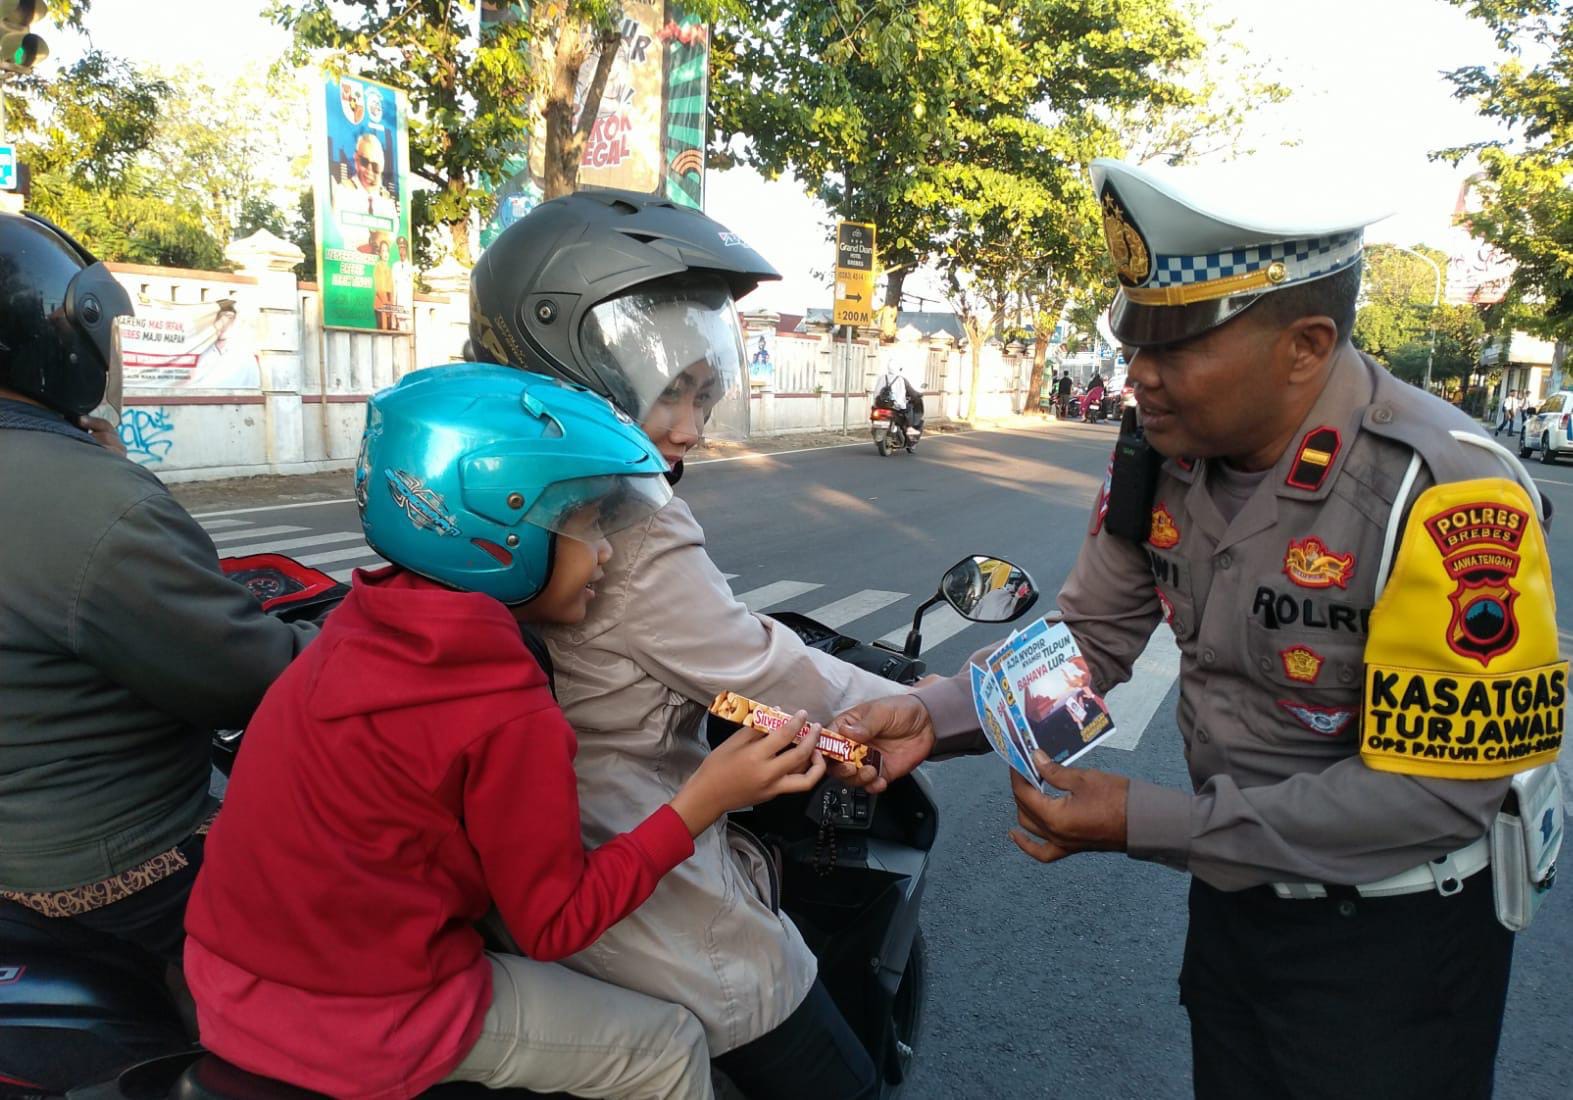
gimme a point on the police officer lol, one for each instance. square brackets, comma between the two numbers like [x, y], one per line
[122, 645]
[1342, 939]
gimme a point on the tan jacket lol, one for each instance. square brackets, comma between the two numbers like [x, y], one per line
[663, 638]
[1271, 667]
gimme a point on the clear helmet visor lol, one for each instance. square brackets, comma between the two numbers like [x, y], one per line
[671, 355]
[591, 508]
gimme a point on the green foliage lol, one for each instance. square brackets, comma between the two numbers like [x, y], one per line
[1527, 207]
[226, 145]
[470, 101]
[90, 123]
[941, 121]
[1395, 319]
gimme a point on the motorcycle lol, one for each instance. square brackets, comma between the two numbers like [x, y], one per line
[894, 429]
[847, 866]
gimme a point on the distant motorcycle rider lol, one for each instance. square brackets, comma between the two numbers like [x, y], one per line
[905, 399]
[124, 644]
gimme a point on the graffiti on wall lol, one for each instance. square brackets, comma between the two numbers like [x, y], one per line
[147, 434]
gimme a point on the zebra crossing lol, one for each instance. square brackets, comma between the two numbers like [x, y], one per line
[860, 612]
[340, 553]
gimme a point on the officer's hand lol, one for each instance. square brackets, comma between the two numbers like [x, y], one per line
[898, 726]
[1090, 817]
[104, 433]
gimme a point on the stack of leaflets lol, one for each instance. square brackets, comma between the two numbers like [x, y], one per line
[1035, 692]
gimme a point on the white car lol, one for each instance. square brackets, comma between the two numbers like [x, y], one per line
[1549, 429]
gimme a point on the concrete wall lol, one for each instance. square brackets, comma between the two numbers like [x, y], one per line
[311, 405]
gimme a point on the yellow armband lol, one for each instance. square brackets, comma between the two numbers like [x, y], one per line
[1463, 679]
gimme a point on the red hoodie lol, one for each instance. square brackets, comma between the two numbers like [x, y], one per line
[407, 770]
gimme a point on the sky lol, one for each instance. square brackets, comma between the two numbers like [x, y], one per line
[1369, 100]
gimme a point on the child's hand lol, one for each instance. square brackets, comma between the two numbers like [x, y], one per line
[748, 768]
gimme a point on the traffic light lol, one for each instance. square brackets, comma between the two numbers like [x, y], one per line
[20, 49]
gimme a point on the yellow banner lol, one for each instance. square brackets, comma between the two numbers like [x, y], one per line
[1460, 726]
[1463, 675]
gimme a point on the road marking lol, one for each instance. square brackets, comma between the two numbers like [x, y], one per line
[291, 544]
[272, 508]
[940, 624]
[855, 606]
[757, 599]
[1135, 703]
[931, 438]
[219, 524]
[347, 554]
[255, 533]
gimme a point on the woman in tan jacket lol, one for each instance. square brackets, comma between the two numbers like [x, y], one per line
[634, 297]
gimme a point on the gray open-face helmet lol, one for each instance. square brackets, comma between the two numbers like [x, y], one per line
[621, 292]
[59, 313]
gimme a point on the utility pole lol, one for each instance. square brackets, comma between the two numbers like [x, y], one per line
[1436, 301]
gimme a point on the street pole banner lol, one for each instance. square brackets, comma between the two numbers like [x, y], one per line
[854, 303]
[649, 130]
[169, 347]
[365, 260]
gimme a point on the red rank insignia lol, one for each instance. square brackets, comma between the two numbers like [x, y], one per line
[1164, 534]
[1480, 551]
[1301, 663]
[1314, 458]
[1310, 564]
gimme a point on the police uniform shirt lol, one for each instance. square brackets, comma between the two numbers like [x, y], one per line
[1270, 611]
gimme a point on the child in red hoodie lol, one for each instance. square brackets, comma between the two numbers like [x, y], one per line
[410, 769]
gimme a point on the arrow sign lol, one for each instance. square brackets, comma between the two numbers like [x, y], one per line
[854, 273]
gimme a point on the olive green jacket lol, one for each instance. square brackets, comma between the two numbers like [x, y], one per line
[122, 646]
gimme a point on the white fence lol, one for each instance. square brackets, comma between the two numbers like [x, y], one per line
[308, 412]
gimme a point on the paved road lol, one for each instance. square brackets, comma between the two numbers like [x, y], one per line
[1045, 981]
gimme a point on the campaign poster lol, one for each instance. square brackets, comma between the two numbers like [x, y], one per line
[761, 349]
[365, 255]
[169, 347]
[649, 129]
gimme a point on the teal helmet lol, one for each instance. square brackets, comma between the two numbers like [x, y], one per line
[467, 472]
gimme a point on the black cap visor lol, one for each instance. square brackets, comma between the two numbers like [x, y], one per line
[1140, 326]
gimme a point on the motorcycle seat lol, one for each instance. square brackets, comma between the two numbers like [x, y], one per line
[212, 1078]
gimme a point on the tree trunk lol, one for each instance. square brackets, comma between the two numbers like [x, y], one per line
[975, 350]
[893, 284]
[459, 231]
[564, 140]
[1043, 322]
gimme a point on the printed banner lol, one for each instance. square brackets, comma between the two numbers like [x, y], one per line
[200, 347]
[649, 130]
[365, 262]
[1045, 685]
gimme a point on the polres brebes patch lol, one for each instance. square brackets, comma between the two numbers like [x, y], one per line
[1480, 551]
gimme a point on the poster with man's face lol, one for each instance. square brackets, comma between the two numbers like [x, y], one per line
[363, 206]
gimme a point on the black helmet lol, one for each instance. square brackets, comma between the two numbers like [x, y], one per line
[58, 312]
[620, 292]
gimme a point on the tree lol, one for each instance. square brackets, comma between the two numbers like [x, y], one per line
[232, 145]
[1395, 321]
[470, 96]
[1527, 205]
[1395, 299]
[86, 134]
[901, 114]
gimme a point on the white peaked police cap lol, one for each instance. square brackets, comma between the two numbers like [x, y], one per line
[1194, 246]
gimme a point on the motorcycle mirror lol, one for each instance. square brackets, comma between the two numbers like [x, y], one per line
[988, 590]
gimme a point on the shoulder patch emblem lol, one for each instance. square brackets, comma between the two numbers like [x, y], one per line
[1322, 721]
[1301, 663]
[1164, 534]
[1314, 458]
[1480, 551]
[1310, 564]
